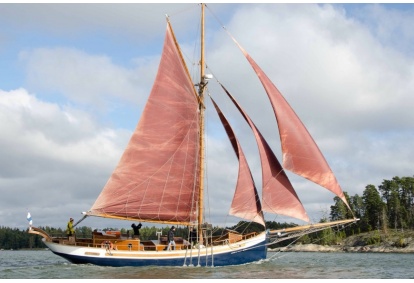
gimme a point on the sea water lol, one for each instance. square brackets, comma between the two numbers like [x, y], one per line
[43, 264]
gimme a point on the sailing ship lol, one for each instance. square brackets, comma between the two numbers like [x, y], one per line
[160, 177]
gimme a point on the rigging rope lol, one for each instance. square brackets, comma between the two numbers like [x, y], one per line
[343, 226]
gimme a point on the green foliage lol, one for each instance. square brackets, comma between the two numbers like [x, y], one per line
[305, 239]
[401, 243]
[389, 206]
[16, 239]
[374, 239]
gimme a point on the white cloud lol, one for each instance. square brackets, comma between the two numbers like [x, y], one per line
[83, 78]
[46, 151]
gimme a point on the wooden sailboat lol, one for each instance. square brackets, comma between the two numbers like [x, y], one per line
[160, 177]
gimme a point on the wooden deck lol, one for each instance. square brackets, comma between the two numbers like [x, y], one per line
[113, 240]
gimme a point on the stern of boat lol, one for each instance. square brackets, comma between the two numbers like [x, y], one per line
[38, 231]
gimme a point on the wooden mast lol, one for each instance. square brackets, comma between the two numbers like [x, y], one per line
[201, 87]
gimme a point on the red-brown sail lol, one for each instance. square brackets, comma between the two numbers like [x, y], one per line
[278, 194]
[246, 202]
[155, 178]
[301, 155]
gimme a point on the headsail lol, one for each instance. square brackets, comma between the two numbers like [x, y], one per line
[279, 196]
[246, 202]
[301, 155]
[154, 179]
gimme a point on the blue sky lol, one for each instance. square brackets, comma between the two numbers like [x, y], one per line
[74, 79]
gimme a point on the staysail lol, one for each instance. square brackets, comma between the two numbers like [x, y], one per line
[301, 155]
[155, 177]
[246, 202]
[278, 194]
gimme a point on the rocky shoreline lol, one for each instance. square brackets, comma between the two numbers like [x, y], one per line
[384, 242]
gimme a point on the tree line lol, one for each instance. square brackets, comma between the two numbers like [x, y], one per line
[390, 206]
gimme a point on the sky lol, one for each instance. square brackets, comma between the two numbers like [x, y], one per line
[74, 79]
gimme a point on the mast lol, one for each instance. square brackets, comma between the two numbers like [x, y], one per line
[201, 87]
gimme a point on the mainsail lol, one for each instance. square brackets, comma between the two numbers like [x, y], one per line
[155, 177]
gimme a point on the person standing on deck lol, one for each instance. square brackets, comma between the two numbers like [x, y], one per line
[69, 228]
[170, 239]
[193, 236]
[136, 229]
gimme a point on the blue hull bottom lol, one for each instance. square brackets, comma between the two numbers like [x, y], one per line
[255, 253]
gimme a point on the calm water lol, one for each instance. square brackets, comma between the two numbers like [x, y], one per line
[44, 264]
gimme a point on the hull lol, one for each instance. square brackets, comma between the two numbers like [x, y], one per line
[251, 250]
